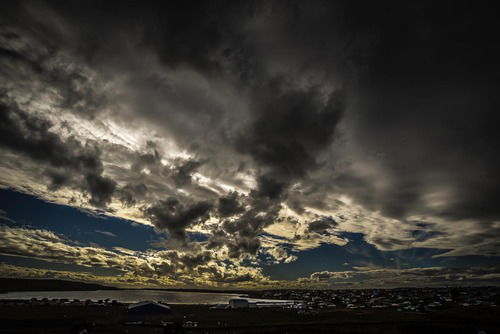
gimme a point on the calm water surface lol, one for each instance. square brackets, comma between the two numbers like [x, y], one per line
[133, 296]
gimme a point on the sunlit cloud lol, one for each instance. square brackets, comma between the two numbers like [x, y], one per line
[241, 144]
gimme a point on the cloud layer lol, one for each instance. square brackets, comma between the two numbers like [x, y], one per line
[267, 128]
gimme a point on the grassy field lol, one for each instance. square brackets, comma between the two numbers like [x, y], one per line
[68, 319]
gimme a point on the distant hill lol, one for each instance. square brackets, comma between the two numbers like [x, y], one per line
[22, 284]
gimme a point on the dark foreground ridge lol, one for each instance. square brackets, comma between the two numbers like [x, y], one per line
[19, 284]
[201, 319]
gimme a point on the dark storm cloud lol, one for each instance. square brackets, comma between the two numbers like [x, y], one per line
[149, 160]
[290, 129]
[230, 205]
[101, 188]
[322, 225]
[426, 111]
[183, 171]
[176, 216]
[191, 34]
[130, 192]
[27, 56]
[408, 87]
[240, 234]
[66, 160]
[194, 33]
[288, 125]
[180, 171]
[291, 126]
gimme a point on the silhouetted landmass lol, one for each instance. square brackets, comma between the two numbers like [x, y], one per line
[18, 284]
[26, 284]
[116, 319]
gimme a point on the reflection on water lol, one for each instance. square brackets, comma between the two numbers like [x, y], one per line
[130, 296]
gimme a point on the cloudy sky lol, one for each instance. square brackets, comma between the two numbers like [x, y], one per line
[250, 143]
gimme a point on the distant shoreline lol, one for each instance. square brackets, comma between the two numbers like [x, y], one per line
[126, 297]
[28, 285]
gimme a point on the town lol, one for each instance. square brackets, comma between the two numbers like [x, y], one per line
[402, 299]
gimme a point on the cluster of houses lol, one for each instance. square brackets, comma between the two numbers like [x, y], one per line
[310, 301]
[403, 299]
